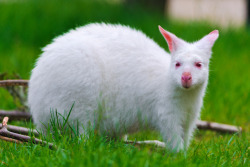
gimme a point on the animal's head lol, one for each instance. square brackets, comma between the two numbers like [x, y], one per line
[190, 61]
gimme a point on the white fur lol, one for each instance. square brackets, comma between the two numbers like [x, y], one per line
[133, 79]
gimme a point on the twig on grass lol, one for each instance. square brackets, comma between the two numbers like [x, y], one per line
[13, 137]
[4, 128]
[10, 139]
[21, 130]
[206, 125]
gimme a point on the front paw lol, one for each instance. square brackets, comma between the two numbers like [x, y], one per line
[179, 146]
[175, 146]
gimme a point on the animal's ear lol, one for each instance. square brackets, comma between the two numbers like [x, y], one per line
[207, 41]
[173, 41]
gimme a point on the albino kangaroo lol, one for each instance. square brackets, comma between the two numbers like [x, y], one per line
[135, 81]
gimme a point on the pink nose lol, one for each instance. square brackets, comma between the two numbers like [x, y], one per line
[186, 76]
[186, 79]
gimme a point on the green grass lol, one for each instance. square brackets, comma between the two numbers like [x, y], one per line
[28, 26]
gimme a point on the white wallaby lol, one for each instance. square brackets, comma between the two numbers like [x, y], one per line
[134, 80]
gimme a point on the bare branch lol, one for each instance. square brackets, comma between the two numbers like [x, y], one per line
[18, 90]
[16, 115]
[16, 82]
[10, 139]
[214, 126]
[23, 138]
[7, 136]
[21, 130]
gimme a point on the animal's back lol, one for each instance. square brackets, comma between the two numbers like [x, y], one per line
[98, 63]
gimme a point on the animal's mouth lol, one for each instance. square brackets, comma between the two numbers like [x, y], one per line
[186, 85]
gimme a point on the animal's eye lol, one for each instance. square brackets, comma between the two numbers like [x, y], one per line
[178, 64]
[198, 64]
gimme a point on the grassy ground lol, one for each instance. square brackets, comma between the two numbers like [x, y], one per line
[28, 26]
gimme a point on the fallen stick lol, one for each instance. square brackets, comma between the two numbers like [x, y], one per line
[16, 82]
[10, 139]
[21, 130]
[4, 124]
[15, 115]
[206, 125]
[8, 135]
